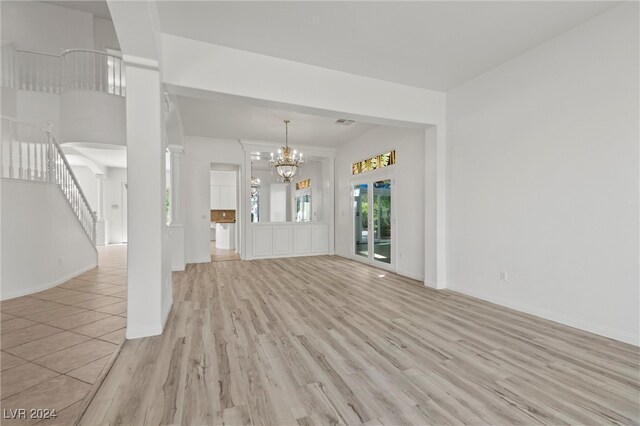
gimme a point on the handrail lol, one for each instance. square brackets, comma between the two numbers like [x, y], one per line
[73, 176]
[64, 52]
[37, 53]
[31, 153]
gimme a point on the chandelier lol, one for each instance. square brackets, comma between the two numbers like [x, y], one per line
[287, 162]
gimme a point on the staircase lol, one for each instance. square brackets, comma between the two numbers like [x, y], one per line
[30, 153]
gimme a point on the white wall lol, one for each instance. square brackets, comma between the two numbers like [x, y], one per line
[114, 207]
[89, 184]
[92, 117]
[409, 189]
[196, 167]
[104, 35]
[39, 108]
[113, 203]
[543, 179]
[45, 28]
[41, 246]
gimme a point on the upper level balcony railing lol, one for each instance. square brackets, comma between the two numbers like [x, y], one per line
[74, 69]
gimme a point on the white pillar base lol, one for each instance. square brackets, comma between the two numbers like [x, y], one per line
[101, 232]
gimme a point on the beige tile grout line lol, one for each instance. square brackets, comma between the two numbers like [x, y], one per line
[96, 385]
[56, 372]
[90, 279]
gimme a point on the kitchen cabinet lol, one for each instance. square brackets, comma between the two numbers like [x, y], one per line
[222, 197]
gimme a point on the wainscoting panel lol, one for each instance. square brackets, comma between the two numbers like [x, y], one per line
[302, 239]
[262, 242]
[286, 239]
[281, 237]
[320, 238]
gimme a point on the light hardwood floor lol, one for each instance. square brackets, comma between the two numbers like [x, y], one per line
[324, 340]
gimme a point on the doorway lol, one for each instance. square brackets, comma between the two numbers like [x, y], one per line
[224, 208]
[373, 221]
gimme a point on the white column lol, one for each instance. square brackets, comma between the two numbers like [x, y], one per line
[149, 276]
[175, 153]
[176, 228]
[101, 224]
[435, 208]
[100, 178]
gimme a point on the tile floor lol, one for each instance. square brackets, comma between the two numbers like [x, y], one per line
[54, 344]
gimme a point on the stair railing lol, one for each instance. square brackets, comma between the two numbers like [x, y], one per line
[74, 69]
[28, 152]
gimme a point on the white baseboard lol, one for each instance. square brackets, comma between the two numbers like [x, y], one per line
[412, 276]
[282, 256]
[552, 316]
[431, 284]
[401, 273]
[145, 331]
[166, 310]
[47, 286]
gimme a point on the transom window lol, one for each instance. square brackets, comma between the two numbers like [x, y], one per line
[373, 163]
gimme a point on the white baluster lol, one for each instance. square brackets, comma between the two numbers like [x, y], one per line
[2, 157]
[28, 143]
[119, 64]
[20, 170]
[10, 149]
[43, 164]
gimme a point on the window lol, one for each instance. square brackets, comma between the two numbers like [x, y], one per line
[373, 163]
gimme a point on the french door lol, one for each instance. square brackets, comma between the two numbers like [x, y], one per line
[373, 221]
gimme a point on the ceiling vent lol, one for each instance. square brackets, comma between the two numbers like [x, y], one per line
[344, 122]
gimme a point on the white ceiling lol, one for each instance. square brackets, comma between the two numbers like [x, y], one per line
[96, 8]
[435, 45]
[233, 120]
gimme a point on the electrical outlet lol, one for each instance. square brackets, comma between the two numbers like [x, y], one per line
[503, 276]
[59, 261]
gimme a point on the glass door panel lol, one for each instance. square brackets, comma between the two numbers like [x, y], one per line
[361, 219]
[381, 235]
[373, 222]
